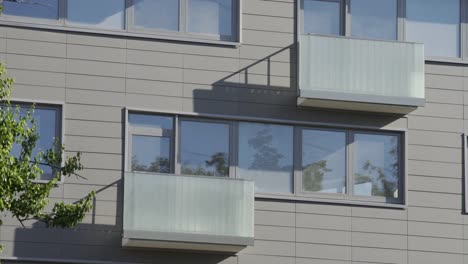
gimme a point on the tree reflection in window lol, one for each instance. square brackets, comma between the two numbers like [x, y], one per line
[376, 165]
[159, 165]
[323, 161]
[312, 176]
[204, 148]
[151, 154]
[265, 155]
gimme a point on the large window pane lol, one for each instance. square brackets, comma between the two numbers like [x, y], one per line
[151, 141]
[436, 23]
[374, 19]
[100, 13]
[210, 17]
[376, 165]
[156, 14]
[324, 161]
[322, 17]
[47, 9]
[151, 154]
[46, 121]
[266, 156]
[204, 148]
[47, 127]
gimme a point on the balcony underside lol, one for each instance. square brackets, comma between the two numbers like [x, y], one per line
[359, 102]
[189, 242]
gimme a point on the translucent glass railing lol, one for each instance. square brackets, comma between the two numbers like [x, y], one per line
[365, 71]
[161, 210]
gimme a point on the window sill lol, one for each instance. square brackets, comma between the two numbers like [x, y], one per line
[447, 60]
[330, 201]
[47, 181]
[117, 33]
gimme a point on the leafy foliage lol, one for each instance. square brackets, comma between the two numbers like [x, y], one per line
[20, 195]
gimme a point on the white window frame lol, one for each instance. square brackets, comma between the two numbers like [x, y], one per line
[62, 24]
[298, 194]
[59, 107]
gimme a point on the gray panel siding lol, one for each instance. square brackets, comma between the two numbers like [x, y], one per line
[97, 76]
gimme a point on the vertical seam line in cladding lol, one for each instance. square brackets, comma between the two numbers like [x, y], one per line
[464, 145]
[295, 232]
[183, 94]
[407, 219]
[351, 242]
[126, 69]
[61, 236]
[63, 115]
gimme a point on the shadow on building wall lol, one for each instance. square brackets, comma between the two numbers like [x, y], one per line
[99, 238]
[268, 88]
[265, 88]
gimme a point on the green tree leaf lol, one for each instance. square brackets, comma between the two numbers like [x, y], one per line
[20, 195]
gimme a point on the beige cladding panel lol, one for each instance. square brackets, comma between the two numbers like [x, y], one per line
[97, 76]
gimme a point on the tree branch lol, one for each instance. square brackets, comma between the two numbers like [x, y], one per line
[57, 167]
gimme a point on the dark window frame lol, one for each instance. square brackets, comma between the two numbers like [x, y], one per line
[297, 194]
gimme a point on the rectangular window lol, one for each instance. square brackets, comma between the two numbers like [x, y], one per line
[436, 23]
[369, 19]
[322, 17]
[284, 160]
[108, 14]
[44, 9]
[266, 156]
[376, 165]
[212, 17]
[204, 148]
[48, 126]
[209, 20]
[151, 140]
[156, 14]
[323, 161]
[374, 19]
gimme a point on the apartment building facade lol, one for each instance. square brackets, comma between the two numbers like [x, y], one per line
[247, 131]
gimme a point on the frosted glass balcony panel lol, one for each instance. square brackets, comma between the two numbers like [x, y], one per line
[188, 209]
[361, 71]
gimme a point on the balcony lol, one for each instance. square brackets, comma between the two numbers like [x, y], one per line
[210, 214]
[362, 75]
